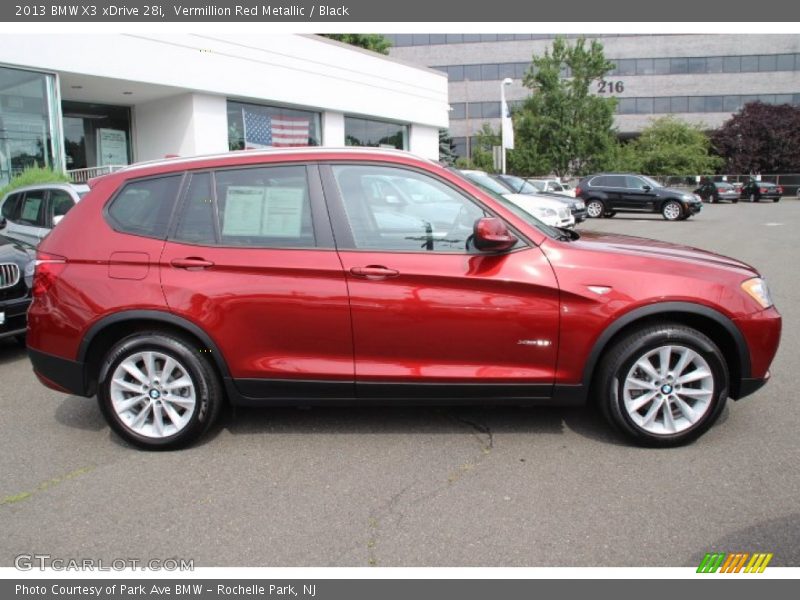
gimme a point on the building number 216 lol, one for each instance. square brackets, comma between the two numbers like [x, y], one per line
[605, 86]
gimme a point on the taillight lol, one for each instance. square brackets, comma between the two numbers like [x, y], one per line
[577, 191]
[764, 190]
[780, 190]
[48, 267]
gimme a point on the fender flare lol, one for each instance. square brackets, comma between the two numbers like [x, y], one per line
[651, 310]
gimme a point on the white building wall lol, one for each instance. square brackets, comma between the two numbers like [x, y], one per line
[332, 129]
[163, 127]
[424, 141]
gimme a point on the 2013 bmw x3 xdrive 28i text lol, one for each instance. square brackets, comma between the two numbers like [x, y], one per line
[285, 276]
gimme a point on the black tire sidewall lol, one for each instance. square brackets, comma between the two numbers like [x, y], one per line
[205, 382]
[629, 353]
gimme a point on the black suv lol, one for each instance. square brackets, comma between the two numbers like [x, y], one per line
[16, 278]
[606, 194]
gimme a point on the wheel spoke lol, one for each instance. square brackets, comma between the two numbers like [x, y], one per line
[125, 405]
[142, 416]
[669, 422]
[694, 392]
[158, 420]
[183, 382]
[645, 365]
[135, 372]
[127, 386]
[686, 357]
[642, 401]
[172, 414]
[650, 416]
[638, 384]
[686, 410]
[664, 355]
[180, 401]
[169, 367]
[150, 365]
[696, 375]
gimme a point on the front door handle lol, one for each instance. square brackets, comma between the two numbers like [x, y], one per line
[191, 262]
[374, 272]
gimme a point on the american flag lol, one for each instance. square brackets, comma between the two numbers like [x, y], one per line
[261, 131]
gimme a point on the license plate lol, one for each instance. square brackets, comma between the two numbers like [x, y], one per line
[2, 318]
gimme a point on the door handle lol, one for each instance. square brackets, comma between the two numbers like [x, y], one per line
[374, 272]
[191, 262]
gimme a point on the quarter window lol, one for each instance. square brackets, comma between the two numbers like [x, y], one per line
[32, 209]
[60, 203]
[395, 209]
[144, 207]
[196, 224]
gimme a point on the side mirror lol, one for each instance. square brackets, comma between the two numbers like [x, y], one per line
[57, 219]
[491, 235]
[646, 188]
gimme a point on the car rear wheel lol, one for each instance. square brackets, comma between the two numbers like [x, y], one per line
[158, 392]
[663, 385]
[595, 209]
[671, 210]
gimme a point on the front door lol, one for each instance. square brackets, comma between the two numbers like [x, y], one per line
[638, 195]
[432, 317]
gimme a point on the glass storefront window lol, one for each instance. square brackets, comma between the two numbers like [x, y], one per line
[366, 132]
[28, 115]
[96, 134]
[256, 126]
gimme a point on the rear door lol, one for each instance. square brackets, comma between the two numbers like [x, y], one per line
[431, 316]
[251, 260]
[31, 217]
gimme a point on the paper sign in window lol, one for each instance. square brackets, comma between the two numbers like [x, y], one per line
[283, 212]
[244, 209]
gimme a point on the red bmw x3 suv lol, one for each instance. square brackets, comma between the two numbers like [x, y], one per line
[323, 276]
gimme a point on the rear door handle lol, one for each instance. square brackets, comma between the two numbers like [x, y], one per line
[374, 272]
[191, 262]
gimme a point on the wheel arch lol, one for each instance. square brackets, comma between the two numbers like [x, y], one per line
[722, 331]
[103, 334]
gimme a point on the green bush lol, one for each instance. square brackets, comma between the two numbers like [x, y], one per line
[33, 176]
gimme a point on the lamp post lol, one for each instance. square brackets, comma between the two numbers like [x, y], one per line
[505, 122]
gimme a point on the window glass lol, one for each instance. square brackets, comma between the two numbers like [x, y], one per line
[731, 103]
[615, 181]
[749, 64]
[767, 98]
[520, 70]
[644, 66]
[731, 64]
[633, 183]
[679, 104]
[381, 134]
[265, 207]
[767, 62]
[661, 66]
[507, 70]
[438, 38]
[256, 126]
[475, 110]
[420, 39]
[490, 72]
[196, 224]
[489, 37]
[644, 106]
[455, 38]
[714, 64]
[472, 72]
[60, 203]
[144, 207]
[491, 110]
[697, 65]
[32, 210]
[403, 39]
[459, 110]
[661, 105]
[96, 134]
[783, 98]
[395, 209]
[697, 104]
[784, 62]
[678, 65]
[455, 73]
[471, 37]
[10, 207]
[626, 106]
[714, 103]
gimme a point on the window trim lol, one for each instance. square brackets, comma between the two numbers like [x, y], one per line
[343, 233]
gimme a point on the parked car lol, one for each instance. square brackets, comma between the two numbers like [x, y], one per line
[755, 191]
[262, 278]
[16, 278]
[521, 186]
[553, 186]
[606, 194]
[717, 191]
[548, 210]
[29, 213]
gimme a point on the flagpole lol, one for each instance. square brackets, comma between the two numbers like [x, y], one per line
[503, 123]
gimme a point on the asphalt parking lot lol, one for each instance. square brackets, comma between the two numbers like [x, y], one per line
[423, 487]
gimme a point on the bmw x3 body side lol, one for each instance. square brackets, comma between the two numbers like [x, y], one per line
[289, 276]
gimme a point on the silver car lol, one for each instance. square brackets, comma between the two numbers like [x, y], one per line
[29, 213]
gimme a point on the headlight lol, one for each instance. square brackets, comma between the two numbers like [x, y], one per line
[689, 197]
[757, 289]
[580, 205]
[30, 268]
[544, 212]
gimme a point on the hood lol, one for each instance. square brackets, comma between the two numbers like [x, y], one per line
[647, 248]
[668, 191]
[15, 251]
[537, 200]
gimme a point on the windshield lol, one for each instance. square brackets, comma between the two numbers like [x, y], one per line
[506, 203]
[486, 182]
[519, 185]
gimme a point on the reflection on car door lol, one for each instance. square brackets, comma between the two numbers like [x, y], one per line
[635, 196]
[432, 317]
[31, 217]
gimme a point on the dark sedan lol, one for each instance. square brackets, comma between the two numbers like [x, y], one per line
[16, 278]
[717, 191]
[755, 191]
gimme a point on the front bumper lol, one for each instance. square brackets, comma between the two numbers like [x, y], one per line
[579, 214]
[14, 317]
[694, 207]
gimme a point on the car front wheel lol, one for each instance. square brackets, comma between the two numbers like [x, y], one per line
[595, 209]
[158, 392]
[671, 210]
[663, 385]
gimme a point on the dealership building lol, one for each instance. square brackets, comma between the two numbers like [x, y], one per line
[91, 103]
[702, 79]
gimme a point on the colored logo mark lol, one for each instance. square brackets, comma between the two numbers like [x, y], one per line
[734, 562]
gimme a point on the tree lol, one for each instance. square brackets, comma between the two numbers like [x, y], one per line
[669, 146]
[482, 158]
[369, 41]
[760, 138]
[562, 127]
[447, 149]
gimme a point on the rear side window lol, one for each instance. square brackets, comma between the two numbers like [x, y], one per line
[61, 202]
[11, 206]
[144, 207]
[196, 223]
[31, 211]
[264, 207]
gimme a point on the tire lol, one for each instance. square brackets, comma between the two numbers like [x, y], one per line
[184, 413]
[671, 210]
[753, 198]
[776, 199]
[610, 214]
[622, 385]
[595, 208]
[735, 201]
